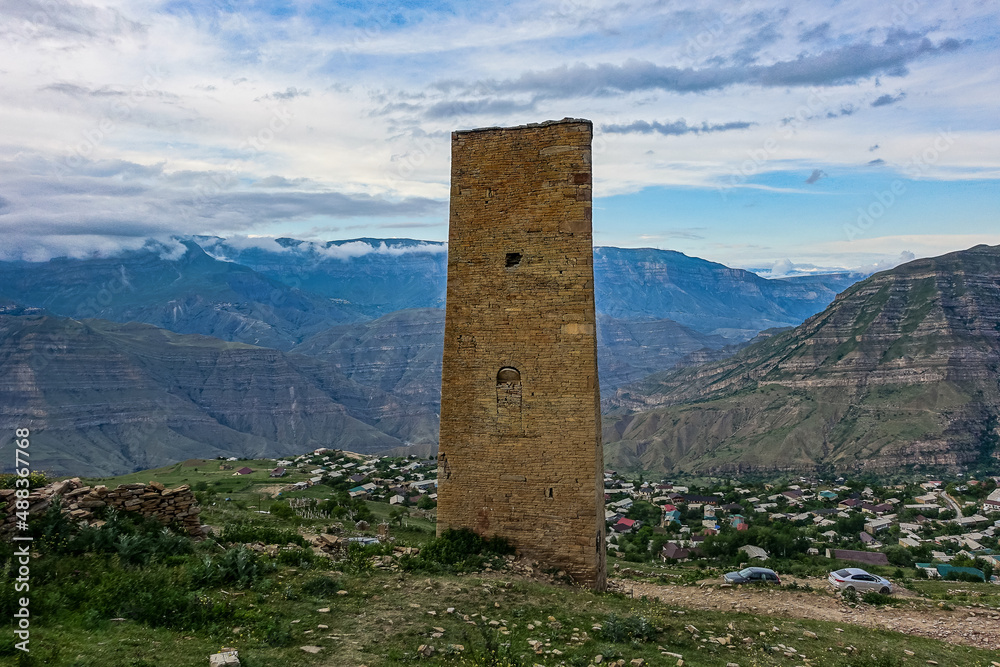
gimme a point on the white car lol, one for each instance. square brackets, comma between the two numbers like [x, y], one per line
[856, 579]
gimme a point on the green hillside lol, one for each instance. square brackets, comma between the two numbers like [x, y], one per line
[902, 369]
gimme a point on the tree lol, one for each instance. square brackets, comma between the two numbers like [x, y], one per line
[396, 515]
[425, 503]
[647, 513]
[899, 556]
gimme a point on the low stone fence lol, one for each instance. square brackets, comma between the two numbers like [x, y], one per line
[78, 501]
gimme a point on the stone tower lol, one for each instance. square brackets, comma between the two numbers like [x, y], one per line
[520, 449]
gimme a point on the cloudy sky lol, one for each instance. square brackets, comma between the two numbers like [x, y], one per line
[767, 134]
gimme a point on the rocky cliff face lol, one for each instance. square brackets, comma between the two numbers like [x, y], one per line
[104, 398]
[645, 283]
[280, 296]
[902, 368]
[363, 317]
[194, 293]
[400, 353]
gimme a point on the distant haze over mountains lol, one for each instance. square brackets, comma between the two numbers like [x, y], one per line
[360, 318]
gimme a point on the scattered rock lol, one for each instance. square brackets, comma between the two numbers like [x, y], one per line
[224, 658]
[311, 649]
[425, 650]
[324, 610]
[811, 635]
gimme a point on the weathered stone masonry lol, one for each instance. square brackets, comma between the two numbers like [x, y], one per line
[168, 506]
[520, 449]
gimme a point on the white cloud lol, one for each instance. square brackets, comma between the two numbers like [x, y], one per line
[308, 117]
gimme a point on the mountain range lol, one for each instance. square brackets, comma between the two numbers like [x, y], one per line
[101, 396]
[901, 369]
[356, 324]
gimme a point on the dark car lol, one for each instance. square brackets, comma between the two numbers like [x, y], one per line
[752, 575]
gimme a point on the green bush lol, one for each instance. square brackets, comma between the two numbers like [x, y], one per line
[495, 652]
[875, 598]
[459, 550]
[301, 558]
[321, 587]
[275, 632]
[618, 629]
[282, 510]
[244, 531]
[238, 566]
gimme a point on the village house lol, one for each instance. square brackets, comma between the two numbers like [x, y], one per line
[877, 525]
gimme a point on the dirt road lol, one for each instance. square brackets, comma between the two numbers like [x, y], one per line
[973, 626]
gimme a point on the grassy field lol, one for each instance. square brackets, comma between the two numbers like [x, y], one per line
[118, 603]
[384, 618]
[959, 592]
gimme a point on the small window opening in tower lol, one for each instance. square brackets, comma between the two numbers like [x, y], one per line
[513, 259]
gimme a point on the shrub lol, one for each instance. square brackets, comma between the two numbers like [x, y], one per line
[282, 510]
[274, 631]
[495, 652]
[303, 558]
[459, 550]
[238, 566]
[321, 587]
[244, 531]
[875, 598]
[35, 480]
[629, 628]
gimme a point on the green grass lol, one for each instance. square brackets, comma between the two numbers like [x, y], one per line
[384, 618]
[180, 608]
[967, 592]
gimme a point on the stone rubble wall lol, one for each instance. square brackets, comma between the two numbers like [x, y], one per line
[153, 500]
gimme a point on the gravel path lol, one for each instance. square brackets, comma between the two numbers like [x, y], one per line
[973, 626]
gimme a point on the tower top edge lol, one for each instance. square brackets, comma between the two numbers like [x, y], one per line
[547, 123]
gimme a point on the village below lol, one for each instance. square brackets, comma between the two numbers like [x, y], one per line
[331, 558]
